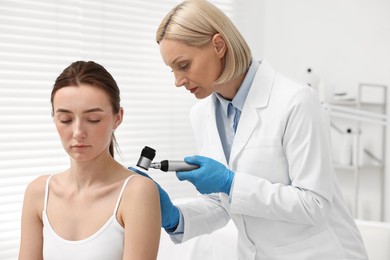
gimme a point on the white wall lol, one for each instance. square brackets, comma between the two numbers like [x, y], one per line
[345, 42]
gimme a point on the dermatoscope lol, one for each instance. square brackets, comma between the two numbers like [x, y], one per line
[147, 156]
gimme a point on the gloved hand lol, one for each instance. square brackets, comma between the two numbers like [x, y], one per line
[210, 177]
[169, 213]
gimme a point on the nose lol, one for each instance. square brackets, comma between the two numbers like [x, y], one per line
[180, 80]
[79, 132]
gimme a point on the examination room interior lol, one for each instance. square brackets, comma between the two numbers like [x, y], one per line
[341, 48]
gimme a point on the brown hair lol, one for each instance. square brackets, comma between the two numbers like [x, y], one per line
[91, 73]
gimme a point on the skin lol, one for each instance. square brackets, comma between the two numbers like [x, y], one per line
[89, 189]
[197, 68]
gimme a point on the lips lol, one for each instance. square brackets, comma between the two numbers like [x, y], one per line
[80, 146]
[192, 90]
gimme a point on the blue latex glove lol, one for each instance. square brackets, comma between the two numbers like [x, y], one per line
[210, 177]
[169, 213]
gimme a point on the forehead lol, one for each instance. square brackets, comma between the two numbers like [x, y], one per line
[80, 97]
[172, 50]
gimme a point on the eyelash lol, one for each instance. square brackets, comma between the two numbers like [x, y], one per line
[90, 121]
[183, 67]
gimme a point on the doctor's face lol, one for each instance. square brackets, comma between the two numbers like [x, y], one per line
[195, 68]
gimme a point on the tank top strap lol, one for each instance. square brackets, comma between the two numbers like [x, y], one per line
[46, 192]
[120, 194]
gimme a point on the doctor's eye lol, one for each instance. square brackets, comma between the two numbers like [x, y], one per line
[183, 65]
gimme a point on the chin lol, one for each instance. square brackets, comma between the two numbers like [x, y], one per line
[202, 95]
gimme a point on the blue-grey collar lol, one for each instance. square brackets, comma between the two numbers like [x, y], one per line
[240, 97]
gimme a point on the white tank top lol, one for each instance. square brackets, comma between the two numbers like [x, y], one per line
[105, 244]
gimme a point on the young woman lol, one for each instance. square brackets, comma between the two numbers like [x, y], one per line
[95, 209]
[264, 146]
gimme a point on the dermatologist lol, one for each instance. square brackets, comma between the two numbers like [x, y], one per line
[263, 143]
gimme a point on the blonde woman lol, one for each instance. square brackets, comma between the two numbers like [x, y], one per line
[263, 143]
[95, 209]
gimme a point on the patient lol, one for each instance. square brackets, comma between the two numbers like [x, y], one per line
[95, 209]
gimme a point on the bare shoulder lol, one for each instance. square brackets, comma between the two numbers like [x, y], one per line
[139, 213]
[139, 199]
[37, 186]
[34, 195]
[140, 190]
[139, 185]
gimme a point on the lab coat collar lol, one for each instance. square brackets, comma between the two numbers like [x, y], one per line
[260, 90]
[242, 93]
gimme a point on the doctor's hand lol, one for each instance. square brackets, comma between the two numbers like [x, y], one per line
[169, 213]
[210, 177]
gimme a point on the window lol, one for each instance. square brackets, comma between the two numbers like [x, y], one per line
[38, 39]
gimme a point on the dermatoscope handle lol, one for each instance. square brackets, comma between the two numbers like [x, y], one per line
[174, 166]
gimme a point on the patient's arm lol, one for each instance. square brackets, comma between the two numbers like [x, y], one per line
[140, 212]
[31, 236]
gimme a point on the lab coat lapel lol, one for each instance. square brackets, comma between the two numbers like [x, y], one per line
[257, 99]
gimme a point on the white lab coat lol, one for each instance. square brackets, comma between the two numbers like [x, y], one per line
[285, 201]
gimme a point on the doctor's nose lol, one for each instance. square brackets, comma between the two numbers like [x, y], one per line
[180, 81]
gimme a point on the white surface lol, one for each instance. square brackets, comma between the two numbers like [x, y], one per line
[376, 237]
[374, 95]
[222, 244]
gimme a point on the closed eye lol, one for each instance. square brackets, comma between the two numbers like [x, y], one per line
[183, 66]
[66, 121]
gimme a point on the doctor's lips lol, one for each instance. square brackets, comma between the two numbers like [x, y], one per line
[192, 90]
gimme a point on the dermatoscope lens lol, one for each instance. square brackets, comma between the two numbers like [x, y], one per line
[146, 158]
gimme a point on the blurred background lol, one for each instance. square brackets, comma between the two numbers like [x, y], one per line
[341, 48]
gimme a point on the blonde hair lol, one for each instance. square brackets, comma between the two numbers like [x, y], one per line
[195, 22]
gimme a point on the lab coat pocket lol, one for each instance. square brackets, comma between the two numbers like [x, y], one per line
[263, 142]
[320, 247]
[266, 157]
[265, 149]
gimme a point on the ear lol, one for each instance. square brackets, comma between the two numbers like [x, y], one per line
[219, 45]
[119, 118]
